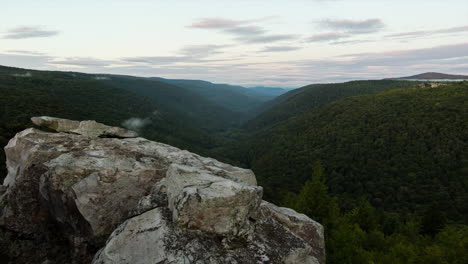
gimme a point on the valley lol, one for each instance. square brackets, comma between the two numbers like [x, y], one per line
[382, 164]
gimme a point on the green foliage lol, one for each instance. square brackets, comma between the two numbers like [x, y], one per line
[367, 235]
[313, 199]
[401, 149]
[234, 98]
[397, 161]
[313, 96]
[433, 220]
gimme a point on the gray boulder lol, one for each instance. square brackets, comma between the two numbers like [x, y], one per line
[153, 238]
[299, 224]
[200, 200]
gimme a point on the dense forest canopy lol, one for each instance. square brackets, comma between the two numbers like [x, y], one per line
[313, 96]
[401, 149]
[385, 172]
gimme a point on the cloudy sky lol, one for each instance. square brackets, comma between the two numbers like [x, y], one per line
[286, 43]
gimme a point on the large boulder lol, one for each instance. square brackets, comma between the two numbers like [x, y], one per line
[167, 204]
[299, 224]
[200, 200]
[153, 238]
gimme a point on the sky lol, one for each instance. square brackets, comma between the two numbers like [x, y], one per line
[287, 43]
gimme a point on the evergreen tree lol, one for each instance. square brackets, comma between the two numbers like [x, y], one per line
[314, 201]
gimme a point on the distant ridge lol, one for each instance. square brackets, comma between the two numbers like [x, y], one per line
[432, 76]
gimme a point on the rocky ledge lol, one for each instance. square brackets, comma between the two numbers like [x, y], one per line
[90, 193]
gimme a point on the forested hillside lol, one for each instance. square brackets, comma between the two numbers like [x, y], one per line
[400, 149]
[196, 109]
[313, 96]
[386, 173]
[232, 97]
[433, 76]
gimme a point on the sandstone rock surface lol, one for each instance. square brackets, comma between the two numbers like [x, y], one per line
[153, 238]
[154, 203]
[86, 128]
[200, 200]
[299, 224]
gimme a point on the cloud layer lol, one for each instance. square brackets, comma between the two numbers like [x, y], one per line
[287, 73]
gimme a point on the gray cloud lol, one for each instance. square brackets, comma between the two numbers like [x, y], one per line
[245, 31]
[422, 33]
[158, 60]
[266, 38]
[202, 51]
[326, 37]
[406, 57]
[29, 32]
[24, 61]
[279, 49]
[169, 60]
[188, 54]
[354, 26]
[356, 41]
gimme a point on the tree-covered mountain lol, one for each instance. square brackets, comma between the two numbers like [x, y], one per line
[433, 76]
[401, 149]
[232, 97]
[313, 96]
[159, 111]
[199, 110]
[385, 172]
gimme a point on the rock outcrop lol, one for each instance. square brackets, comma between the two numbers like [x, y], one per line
[87, 128]
[71, 191]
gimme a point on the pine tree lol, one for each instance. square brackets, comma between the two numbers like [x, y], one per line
[314, 201]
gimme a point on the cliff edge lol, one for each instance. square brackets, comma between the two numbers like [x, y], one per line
[90, 193]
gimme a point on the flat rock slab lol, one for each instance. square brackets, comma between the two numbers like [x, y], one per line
[88, 128]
